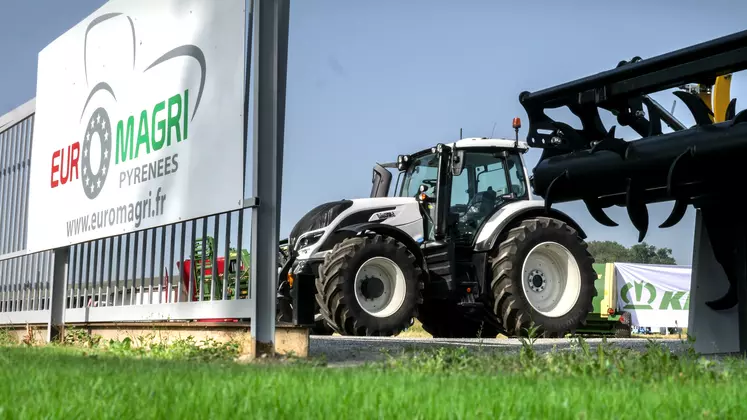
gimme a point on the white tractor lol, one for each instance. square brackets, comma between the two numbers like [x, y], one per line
[461, 245]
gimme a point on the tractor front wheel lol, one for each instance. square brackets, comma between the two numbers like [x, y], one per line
[542, 274]
[369, 286]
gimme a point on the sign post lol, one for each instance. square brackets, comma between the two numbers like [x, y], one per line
[269, 120]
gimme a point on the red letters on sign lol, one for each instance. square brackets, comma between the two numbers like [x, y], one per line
[55, 167]
[67, 168]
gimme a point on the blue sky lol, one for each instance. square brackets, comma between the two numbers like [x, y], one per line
[368, 80]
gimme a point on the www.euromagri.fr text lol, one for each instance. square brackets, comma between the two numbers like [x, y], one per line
[127, 213]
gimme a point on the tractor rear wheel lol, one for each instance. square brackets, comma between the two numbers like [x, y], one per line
[443, 319]
[369, 286]
[542, 274]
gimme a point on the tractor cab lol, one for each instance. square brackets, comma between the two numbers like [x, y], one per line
[459, 185]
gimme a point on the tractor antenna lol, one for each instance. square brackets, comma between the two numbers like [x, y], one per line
[460, 134]
[491, 133]
[517, 125]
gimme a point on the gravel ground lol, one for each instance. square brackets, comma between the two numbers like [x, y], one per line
[347, 351]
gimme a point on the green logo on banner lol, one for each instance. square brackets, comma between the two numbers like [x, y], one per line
[638, 287]
[634, 299]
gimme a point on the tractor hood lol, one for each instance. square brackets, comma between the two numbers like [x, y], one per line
[317, 218]
[358, 210]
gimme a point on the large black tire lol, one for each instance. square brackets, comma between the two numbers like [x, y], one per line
[336, 287]
[442, 319]
[510, 301]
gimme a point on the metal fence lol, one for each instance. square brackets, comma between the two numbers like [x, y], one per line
[164, 273]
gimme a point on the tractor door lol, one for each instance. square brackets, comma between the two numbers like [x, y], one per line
[487, 181]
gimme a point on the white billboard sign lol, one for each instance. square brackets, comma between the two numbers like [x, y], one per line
[139, 120]
[655, 295]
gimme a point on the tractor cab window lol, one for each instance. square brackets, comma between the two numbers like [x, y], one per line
[485, 184]
[424, 170]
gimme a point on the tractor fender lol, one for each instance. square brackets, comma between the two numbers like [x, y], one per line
[382, 229]
[512, 214]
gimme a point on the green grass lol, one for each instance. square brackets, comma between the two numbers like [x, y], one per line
[118, 381]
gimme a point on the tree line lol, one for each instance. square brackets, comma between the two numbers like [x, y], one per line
[643, 253]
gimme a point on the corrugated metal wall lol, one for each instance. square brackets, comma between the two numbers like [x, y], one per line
[15, 159]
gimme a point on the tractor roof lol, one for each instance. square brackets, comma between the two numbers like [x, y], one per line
[486, 142]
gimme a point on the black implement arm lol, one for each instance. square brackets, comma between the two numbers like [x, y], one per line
[701, 165]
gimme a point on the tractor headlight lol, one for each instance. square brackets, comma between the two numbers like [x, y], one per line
[309, 239]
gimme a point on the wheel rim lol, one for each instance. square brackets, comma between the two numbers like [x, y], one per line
[551, 279]
[380, 287]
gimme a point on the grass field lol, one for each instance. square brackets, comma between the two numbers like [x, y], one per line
[117, 381]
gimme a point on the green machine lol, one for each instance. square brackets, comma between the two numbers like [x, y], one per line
[605, 319]
[200, 270]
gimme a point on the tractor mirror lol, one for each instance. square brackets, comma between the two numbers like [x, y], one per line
[457, 162]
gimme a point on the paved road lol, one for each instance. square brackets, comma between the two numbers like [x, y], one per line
[343, 351]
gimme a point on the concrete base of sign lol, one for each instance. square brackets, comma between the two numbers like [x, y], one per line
[289, 341]
[714, 332]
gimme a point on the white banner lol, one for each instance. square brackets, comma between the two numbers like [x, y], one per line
[139, 120]
[655, 295]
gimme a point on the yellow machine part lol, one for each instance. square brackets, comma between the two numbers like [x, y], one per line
[610, 291]
[717, 97]
[721, 97]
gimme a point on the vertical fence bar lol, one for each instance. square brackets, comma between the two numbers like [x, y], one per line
[127, 273]
[181, 262]
[12, 277]
[152, 263]
[240, 269]
[3, 298]
[215, 272]
[161, 286]
[202, 259]
[192, 268]
[227, 259]
[31, 275]
[87, 285]
[134, 266]
[118, 274]
[104, 263]
[4, 285]
[95, 276]
[172, 251]
[73, 266]
[37, 283]
[133, 295]
[144, 266]
[109, 272]
[23, 261]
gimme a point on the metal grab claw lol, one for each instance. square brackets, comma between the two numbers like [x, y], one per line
[687, 166]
